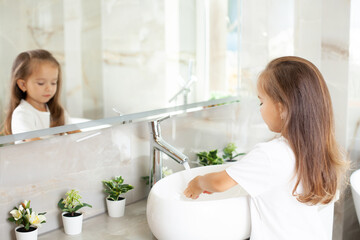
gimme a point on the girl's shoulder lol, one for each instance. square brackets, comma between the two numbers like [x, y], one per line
[23, 111]
[23, 106]
[274, 144]
[275, 148]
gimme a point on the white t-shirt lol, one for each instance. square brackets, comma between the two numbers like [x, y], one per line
[26, 118]
[267, 174]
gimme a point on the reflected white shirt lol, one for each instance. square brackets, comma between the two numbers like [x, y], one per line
[26, 118]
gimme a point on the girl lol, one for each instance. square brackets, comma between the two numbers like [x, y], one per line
[289, 177]
[35, 93]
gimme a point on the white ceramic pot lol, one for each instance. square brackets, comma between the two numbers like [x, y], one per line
[72, 225]
[116, 208]
[26, 235]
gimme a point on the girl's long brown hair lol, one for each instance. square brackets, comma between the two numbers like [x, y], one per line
[23, 66]
[308, 126]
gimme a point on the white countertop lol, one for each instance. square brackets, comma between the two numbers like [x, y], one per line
[132, 226]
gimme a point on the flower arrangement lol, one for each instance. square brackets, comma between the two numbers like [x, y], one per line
[115, 187]
[25, 216]
[72, 203]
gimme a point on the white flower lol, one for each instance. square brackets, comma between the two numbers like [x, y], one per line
[35, 219]
[26, 202]
[17, 214]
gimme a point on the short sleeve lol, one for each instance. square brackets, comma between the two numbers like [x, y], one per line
[254, 172]
[22, 121]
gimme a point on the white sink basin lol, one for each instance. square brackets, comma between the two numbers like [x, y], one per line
[172, 216]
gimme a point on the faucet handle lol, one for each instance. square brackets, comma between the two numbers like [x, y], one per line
[163, 118]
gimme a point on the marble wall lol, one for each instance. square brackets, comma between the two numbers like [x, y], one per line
[351, 222]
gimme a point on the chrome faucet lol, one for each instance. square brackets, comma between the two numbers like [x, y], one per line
[185, 90]
[158, 145]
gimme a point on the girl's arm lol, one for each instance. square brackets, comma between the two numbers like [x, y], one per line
[75, 131]
[32, 139]
[212, 182]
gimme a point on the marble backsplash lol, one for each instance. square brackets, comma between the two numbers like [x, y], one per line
[43, 171]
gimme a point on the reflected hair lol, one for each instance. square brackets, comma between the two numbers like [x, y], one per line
[23, 67]
[308, 127]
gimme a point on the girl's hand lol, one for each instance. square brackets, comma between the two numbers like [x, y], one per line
[209, 183]
[193, 189]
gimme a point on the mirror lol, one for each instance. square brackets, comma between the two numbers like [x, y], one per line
[130, 56]
[124, 57]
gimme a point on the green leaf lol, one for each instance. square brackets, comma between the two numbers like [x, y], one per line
[11, 219]
[239, 154]
[61, 205]
[230, 148]
[27, 226]
[213, 154]
[28, 204]
[146, 179]
[210, 158]
[87, 205]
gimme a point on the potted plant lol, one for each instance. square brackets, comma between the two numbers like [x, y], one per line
[229, 152]
[28, 221]
[72, 220]
[114, 188]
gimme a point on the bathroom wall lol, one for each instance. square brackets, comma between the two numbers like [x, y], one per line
[351, 223]
[42, 171]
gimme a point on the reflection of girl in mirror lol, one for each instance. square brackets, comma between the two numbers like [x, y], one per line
[35, 93]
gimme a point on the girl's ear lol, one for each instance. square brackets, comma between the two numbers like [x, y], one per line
[282, 111]
[21, 84]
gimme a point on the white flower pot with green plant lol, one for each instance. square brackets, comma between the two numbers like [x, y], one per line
[230, 153]
[72, 220]
[28, 221]
[114, 188]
